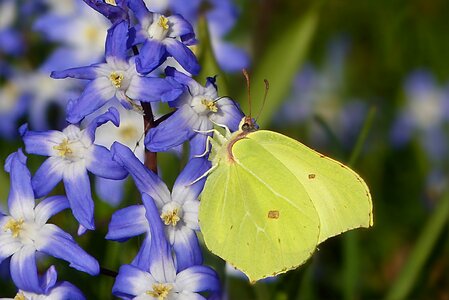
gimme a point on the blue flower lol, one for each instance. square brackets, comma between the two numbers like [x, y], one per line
[51, 289]
[24, 231]
[11, 41]
[178, 210]
[71, 154]
[198, 108]
[116, 79]
[221, 17]
[161, 279]
[161, 37]
[13, 106]
[424, 115]
[79, 30]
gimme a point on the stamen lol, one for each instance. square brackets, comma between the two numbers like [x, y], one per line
[63, 148]
[160, 291]
[15, 226]
[116, 79]
[128, 133]
[210, 105]
[111, 2]
[171, 217]
[163, 22]
[92, 33]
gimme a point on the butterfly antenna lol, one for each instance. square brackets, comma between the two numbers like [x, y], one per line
[267, 88]
[248, 85]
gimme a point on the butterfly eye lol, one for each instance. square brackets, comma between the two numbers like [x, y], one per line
[246, 127]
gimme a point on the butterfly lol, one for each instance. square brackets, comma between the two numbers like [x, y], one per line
[269, 200]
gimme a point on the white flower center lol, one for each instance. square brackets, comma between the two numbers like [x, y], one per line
[26, 232]
[116, 79]
[204, 106]
[171, 214]
[111, 2]
[71, 150]
[160, 291]
[159, 28]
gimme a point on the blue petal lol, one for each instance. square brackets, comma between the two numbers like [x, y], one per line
[130, 282]
[128, 222]
[174, 131]
[101, 164]
[41, 142]
[183, 55]
[112, 115]
[77, 186]
[48, 176]
[21, 196]
[229, 57]
[94, 96]
[109, 190]
[49, 279]
[88, 73]
[179, 26]
[152, 55]
[116, 41]
[115, 13]
[24, 271]
[139, 9]
[66, 290]
[145, 180]
[60, 244]
[187, 249]
[143, 257]
[198, 141]
[50, 207]
[179, 76]
[183, 189]
[228, 114]
[150, 89]
[161, 261]
[198, 279]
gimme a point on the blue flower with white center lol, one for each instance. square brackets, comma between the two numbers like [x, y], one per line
[221, 16]
[24, 230]
[424, 115]
[161, 37]
[161, 279]
[51, 289]
[178, 210]
[71, 154]
[79, 30]
[116, 79]
[198, 108]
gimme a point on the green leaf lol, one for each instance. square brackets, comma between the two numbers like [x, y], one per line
[279, 65]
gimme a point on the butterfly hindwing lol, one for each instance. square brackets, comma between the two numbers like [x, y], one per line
[340, 196]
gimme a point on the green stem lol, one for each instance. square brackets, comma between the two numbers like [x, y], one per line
[351, 253]
[409, 274]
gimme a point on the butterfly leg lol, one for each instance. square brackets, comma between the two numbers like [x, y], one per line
[209, 140]
[204, 175]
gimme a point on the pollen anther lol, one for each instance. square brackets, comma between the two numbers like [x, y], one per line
[15, 226]
[160, 291]
[163, 22]
[210, 105]
[63, 148]
[171, 217]
[116, 79]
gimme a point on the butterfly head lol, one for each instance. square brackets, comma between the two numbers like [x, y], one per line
[248, 124]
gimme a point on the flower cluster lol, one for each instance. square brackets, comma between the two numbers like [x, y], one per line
[147, 60]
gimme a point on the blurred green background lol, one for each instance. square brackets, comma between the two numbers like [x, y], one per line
[322, 56]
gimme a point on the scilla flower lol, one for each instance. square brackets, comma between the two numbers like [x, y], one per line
[116, 79]
[161, 37]
[198, 108]
[71, 154]
[178, 210]
[161, 279]
[24, 231]
[51, 289]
